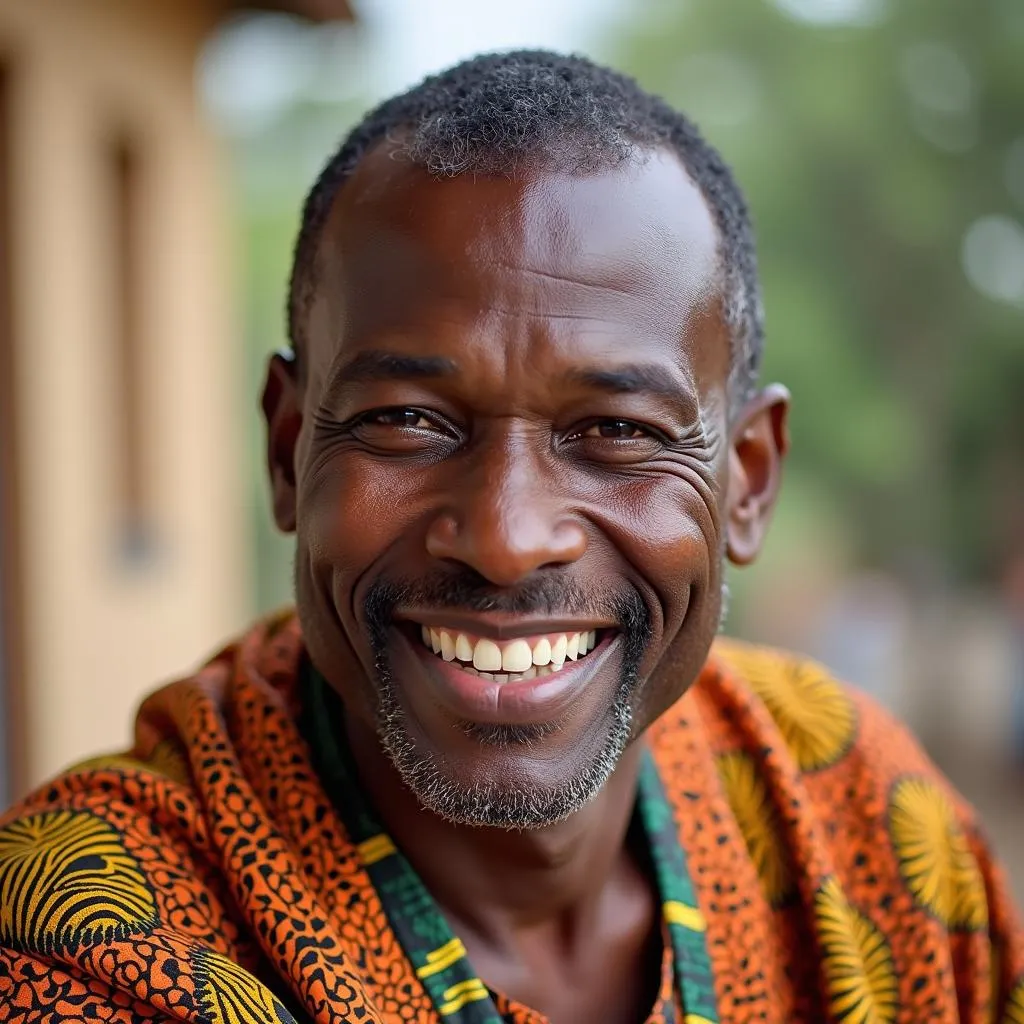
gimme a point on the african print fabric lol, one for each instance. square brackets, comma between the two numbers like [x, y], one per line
[440, 958]
[828, 870]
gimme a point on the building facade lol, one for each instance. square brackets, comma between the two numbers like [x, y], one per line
[121, 460]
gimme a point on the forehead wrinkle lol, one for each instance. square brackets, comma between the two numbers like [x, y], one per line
[575, 282]
[541, 243]
[664, 261]
[610, 309]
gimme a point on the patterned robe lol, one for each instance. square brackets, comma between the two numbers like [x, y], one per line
[206, 876]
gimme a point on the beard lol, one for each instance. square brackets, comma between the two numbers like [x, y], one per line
[508, 804]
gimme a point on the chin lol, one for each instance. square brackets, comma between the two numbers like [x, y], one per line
[507, 776]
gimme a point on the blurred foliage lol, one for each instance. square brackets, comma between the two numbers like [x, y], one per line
[867, 152]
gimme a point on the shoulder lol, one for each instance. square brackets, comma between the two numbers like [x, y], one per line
[835, 787]
[65, 872]
[112, 864]
[822, 722]
[115, 847]
[840, 767]
[109, 909]
[845, 785]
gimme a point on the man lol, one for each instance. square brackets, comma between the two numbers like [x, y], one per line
[495, 770]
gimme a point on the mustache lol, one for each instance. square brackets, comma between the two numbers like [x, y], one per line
[466, 590]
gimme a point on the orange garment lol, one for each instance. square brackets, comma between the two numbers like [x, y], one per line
[206, 877]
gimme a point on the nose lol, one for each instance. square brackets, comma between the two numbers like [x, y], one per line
[504, 519]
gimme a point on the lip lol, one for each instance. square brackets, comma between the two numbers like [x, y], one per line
[538, 701]
[499, 625]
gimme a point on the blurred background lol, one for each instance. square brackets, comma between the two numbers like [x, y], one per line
[153, 159]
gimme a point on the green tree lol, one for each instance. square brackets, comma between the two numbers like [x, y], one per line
[879, 158]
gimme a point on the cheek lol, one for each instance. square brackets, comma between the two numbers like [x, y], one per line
[673, 529]
[352, 508]
[667, 529]
[674, 539]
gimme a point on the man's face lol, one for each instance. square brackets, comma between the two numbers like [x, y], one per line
[507, 465]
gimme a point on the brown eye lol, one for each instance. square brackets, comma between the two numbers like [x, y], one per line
[408, 418]
[615, 430]
[403, 430]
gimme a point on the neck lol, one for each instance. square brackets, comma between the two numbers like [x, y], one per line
[496, 882]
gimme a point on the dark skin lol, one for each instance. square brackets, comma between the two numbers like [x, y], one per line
[581, 428]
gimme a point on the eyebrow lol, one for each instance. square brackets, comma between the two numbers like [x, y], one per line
[637, 378]
[377, 365]
[626, 379]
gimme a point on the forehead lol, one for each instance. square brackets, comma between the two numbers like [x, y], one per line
[634, 246]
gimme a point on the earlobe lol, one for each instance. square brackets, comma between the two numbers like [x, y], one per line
[282, 409]
[760, 440]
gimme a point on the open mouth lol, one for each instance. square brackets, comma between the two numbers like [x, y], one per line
[509, 661]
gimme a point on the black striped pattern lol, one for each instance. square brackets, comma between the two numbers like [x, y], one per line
[66, 879]
[230, 995]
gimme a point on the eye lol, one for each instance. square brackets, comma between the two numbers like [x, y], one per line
[402, 429]
[616, 430]
[614, 441]
[410, 419]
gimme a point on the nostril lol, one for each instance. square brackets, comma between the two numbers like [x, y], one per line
[505, 537]
[442, 537]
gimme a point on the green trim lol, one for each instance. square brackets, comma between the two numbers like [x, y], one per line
[437, 956]
[686, 924]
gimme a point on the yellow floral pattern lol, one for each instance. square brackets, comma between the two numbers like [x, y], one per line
[856, 961]
[65, 876]
[758, 820]
[230, 995]
[1015, 1006]
[934, 858]
[814, 714]
[166, 759]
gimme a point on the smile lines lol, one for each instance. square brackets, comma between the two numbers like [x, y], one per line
[521, 659]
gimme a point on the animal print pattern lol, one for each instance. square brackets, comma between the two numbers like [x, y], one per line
[758, 821]
[205, 876]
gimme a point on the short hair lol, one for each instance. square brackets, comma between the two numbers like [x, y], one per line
[498, 112]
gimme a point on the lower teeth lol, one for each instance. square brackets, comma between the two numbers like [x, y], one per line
[514, 677]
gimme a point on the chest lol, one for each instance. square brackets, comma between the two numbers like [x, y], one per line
[622, 981]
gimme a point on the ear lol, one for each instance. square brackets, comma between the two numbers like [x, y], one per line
[760, 440]
[282, 409]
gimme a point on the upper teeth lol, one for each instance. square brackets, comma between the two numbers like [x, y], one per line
[517, 656]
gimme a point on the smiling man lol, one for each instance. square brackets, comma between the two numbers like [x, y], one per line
[496, 769]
